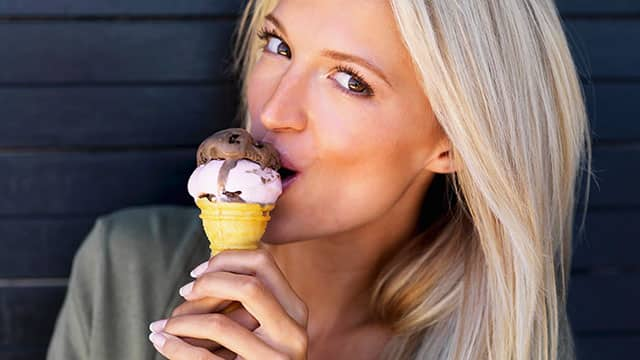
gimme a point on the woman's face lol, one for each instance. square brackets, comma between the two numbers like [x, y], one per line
[335, 91]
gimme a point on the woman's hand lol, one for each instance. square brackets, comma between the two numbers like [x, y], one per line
[273, 326]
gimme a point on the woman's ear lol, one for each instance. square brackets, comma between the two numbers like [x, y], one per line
[441, 161]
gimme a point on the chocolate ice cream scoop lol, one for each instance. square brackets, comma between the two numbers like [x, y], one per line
[236, 144]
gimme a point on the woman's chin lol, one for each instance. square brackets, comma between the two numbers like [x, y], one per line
[281, 232]
[274, 234]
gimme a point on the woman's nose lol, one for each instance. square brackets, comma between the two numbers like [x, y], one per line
[285, 109]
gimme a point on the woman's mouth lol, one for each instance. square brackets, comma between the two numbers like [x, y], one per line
[287, 176]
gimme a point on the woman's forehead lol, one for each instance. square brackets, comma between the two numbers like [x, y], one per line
[352, 19]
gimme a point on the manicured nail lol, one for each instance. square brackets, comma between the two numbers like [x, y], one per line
[158, 339]
[200, 269]
[158, 326]
[186, 290]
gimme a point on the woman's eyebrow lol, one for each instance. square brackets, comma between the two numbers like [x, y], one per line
[335, 55]
[277, 23]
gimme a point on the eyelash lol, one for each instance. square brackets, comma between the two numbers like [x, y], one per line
[265, 33]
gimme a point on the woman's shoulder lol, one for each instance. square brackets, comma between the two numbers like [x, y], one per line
[125, 275]
[158, 236]
[147, 226]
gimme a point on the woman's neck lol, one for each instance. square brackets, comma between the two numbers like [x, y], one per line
[334, 276]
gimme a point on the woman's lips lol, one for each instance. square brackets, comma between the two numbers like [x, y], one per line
[288, 172]
[288, 181]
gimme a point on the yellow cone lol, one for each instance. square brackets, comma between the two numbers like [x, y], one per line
[233, 225]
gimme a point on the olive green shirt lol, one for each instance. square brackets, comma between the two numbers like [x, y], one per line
[125, 275]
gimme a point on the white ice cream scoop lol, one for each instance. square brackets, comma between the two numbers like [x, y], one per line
[247, 182]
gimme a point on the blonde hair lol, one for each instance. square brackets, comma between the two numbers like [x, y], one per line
[488, 278]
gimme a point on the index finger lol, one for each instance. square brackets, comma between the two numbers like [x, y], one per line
[261, 264]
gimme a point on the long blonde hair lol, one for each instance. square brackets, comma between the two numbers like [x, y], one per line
[488, 278]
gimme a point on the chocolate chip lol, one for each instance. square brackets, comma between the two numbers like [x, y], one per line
[232, 194]
[233, 139]
[211, 197]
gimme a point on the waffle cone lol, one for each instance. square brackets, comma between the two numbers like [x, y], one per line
[231, 225]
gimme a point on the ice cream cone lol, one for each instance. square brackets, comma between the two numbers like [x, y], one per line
[240, 175]
[230, 225]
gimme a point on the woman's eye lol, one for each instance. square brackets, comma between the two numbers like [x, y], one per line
[277, 46]
[351, 83]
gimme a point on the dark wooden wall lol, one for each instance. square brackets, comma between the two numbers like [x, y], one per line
[102, 104]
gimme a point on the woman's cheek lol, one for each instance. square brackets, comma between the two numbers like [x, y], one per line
[343, 125]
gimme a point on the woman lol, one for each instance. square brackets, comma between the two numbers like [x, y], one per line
[471, 110]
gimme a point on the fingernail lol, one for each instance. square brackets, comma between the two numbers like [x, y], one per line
[200, 269]
[157, 326]
[157, 339]
[186, 290]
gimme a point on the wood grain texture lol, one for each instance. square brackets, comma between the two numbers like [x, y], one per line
[28, 315]
[120, 7]
[606, 346]
[92, 183]
[600, 49]
[114, 116]
[605, 302]
[598, 7]
[23, 353]
[229, 7]
[611, 240]
[40, 247]
[103, 51]
[113, 51]
[613, 110]
[612, 185]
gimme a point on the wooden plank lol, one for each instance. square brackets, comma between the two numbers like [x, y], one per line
[615, 175]
[605, 302]
[611, 240]
[114, 116]
[28, 314]
[599, 347]
[11, 353]
[119, 7]
[598, 7]
[103, 51]
[613, 110]
[600, 50]
[92, 183]
[40, 247]
[197, 7]
[106, 51]
[218, 7]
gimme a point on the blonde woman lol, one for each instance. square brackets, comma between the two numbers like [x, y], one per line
[465, 114]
